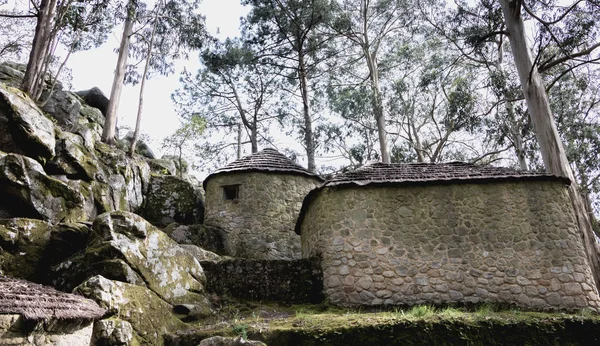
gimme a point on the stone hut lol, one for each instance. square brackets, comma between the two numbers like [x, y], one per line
[404, 234]
[32, 314]
[254, 203]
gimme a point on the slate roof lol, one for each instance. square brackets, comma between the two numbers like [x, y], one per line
[430, 172]
[36, 302]
[266, 160]
[385, 174]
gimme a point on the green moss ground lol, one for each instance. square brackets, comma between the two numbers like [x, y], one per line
[421, 325]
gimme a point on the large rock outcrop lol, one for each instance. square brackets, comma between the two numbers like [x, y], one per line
[149, 315]
[22, 244]
[125, 247]
[28, 192]
[25, 129]
[172, 199]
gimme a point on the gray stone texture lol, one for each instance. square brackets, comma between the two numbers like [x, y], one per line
[505, 242]
[296, 281]
[260, 223]
[15, 330]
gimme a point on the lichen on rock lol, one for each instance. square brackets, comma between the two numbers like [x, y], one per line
[25, 129]
[150, 316]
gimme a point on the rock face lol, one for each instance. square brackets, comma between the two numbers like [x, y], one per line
[141, 148]
[25, 130]
[503, 242]
[94, 97]
[28, 192]
[172, 199]
[113, 331]
[148, 256]
[148, 314]
[22, 244]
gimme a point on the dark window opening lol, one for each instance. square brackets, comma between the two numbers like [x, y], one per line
[231, 192]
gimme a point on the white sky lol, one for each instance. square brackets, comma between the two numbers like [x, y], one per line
[96, 67]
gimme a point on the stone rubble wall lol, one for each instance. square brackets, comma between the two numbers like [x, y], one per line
[503, 242]
[260, 223]
[14, 330]
[298, 281]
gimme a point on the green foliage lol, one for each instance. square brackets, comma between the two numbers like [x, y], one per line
[241, 330]
[421, 311]
[179, 29]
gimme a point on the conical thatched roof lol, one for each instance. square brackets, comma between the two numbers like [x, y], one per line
[37, 302]
[266, 160]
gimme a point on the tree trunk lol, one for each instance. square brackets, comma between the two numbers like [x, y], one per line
[549, 141]
[110, 123]
[309, 140]
[138, 121]
[378, 107]
[39, 46]
[239, 141]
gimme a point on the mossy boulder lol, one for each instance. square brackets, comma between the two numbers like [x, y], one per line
[172, 199]
[113, 331]
[72, 158]
[11, 75]
[208, 238]
[141, 147]
[162, 167]
[167, 269]
[95, 98]
[123, 180]
[63, 106]
[25, 129]
[22, 245]
[27, 191]
[150, 316]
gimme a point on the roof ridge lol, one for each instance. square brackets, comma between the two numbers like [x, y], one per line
[267, 160]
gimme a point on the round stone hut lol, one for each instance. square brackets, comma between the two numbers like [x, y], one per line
[32, 314]
[255, 201]
[404, 234]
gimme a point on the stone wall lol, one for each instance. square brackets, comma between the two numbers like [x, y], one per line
[505, 242]
[260, 223]
[14, 330]
[298, 281]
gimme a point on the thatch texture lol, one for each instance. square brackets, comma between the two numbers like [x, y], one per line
[432, 172]
[37, 302]
[267, 160]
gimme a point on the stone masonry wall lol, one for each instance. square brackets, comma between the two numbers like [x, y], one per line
[260, 223]
[297, 281]
[505, 242]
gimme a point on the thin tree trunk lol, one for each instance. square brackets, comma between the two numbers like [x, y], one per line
[239, 141]
[378, 107]
[309, 140]
[549, 141]
[39, 46]
[110, 122]
[138, 121]
[254, 134]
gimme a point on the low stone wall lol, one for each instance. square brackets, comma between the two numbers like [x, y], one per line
[505, 242]
[14, 330]
[260, 223]
[298, 281]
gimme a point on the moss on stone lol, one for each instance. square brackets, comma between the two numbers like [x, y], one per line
[319, 325]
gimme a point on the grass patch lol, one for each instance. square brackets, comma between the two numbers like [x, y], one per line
[451, 313]
[421, 311]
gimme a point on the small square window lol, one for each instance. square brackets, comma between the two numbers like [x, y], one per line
[231, 192]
